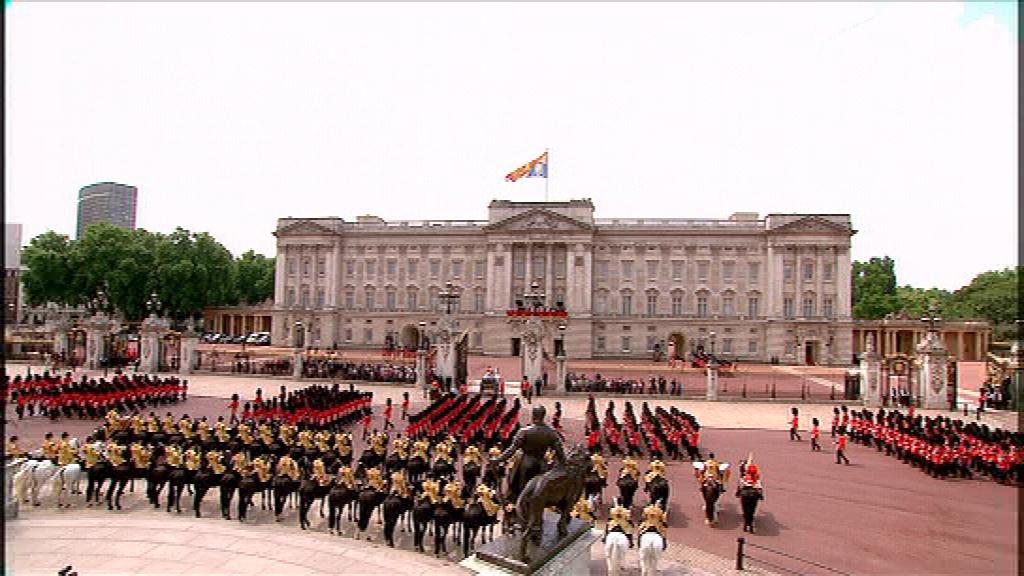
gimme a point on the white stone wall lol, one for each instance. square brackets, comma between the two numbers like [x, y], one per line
[582, 258]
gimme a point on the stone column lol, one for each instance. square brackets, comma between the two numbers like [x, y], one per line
[933, 376]
[187, 357]
[712, 381]
[549, 276]
[421, 369]
[560, 373]
[297, 359]
[870, 375]
[529, 264]
[959, 345]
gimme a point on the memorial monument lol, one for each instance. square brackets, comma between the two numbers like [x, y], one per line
[540, 536]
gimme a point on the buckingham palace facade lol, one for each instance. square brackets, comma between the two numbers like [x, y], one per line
[772, 287]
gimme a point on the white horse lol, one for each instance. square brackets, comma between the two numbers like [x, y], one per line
[68, 477]
[615, 546]
[31, 477]
[651, 546]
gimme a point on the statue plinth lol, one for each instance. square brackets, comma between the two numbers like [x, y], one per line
[503, 552]
[712, 382]
[933, 377]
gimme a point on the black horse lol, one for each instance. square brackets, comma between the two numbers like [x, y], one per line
[340, 497]
[369, 499]
[95, 476]
[204, 479]
[475, 521]
[395, 506]
[710, 489]
[627, 489]
[658, 491]
[422, 516]
[228, 484]
[749, 497]
[309, 491]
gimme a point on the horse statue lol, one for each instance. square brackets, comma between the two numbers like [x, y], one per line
[560, 487]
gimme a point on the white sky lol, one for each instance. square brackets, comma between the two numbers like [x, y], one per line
[228, 116]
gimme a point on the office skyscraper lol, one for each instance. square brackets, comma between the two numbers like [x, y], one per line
[106, 202]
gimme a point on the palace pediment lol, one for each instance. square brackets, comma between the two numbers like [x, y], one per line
[538, 220]
[303, 228]
[812, 225]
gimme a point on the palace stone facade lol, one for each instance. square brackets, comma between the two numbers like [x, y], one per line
[777, 286]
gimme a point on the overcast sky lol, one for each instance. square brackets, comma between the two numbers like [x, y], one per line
[228, 116]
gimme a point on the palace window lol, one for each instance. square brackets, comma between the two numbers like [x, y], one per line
[787, 272]
[413, 265]
[319, 297]
[627, 303]
[808, 270]
[348, 334]
[560, 266]
[390, 299]
[290, 298]
[753, 272]
[752, 347]
[519, 268]
[827, 307]
[652, 269]
[752, 304]
[481, 268]
[291, 266]
[677, 304]
[368, 335]
[601, 270]
[703, 268]
[625, 343]
[410, 298]
[390, 267]
[728, 270]
[702, 306]
[677, 269]
[601, 302]
[652, 304]
[350, 268]
[305, 266]
[651, 341]
[727, 346]
[435, 268]
[456, 268]
[304, 297]
[371, 268]
[627, 270]
[350, 300]
[371, 297]
[600, 343]
[808, 306]
[787, 307]
[321, 266]
[827, 272]
[727, 308]
[478, 302]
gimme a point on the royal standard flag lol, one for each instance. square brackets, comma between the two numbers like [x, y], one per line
[536, 168]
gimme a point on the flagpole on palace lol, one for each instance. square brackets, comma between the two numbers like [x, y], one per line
[547, 173]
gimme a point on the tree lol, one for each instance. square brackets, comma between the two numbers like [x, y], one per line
[48, 259]
[254, 274]
[915, 301]
[874, 288]
[993, 296]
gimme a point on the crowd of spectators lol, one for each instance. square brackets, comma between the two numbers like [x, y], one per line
[598, 383]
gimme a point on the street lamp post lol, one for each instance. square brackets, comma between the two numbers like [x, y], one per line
[712, 337]
[560, 348]
[422, 340]
[449, 296]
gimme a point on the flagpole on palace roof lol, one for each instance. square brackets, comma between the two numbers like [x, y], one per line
[547, 173]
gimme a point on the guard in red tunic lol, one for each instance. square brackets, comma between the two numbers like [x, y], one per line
[366, 425]
[835, 421]
[594, 441]
[794, 425]
[815, 435]
[405, 405]
[841, 448]
[387, 415]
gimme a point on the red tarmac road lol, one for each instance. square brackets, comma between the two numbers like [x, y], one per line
[876, 516]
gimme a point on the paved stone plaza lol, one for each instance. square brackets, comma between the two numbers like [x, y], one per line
[876, 516]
